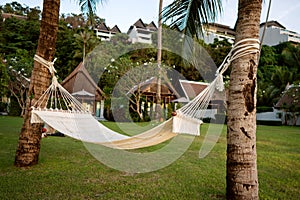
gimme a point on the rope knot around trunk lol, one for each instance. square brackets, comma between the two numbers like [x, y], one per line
[48, 64]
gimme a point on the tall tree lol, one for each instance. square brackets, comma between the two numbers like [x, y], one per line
[89, 7]
[242, 181]
[87, 40]
[159, 51]
[30, 137]
[4, 78]
[242, 178]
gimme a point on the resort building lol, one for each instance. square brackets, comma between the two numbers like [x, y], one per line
[276, 33]
[218, 31]
[9, 15]
[81, 85]
[141, 32]
[289, 104]
[104, 33]
[148, 91]
[285, 111]
[193, 88]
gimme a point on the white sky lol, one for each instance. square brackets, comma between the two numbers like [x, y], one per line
[126, 12]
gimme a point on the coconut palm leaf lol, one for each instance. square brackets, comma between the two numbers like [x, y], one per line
[89, 7]
[189, 15]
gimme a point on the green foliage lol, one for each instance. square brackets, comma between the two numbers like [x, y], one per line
[65, 50]
[14, 107]
[170, 109]
[218, 51]
[18, 34]
[21, 61]
[87, 40]
[172, 54]
[269, 123]
[264, 109]
[3, 79]
[18, 9]
[3, 107]
[189, 15]
[18, 40]
[268, 56]
[18, 37]
[279, 66]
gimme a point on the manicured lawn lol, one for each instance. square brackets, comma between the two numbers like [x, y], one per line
[66, 170]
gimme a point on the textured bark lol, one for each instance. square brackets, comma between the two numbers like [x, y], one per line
[30, 137]
[242, 179]
[158, 108]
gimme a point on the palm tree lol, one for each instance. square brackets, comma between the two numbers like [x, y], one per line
[27, 153]
[242, 180]
[30, 137]
[159, 48]
[85, 41]
[89, 7]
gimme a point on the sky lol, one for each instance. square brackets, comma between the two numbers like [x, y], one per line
[126, 12]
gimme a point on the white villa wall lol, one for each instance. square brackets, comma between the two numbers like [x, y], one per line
[207, 113]
[133, 35]
[144, 37]
[277, 116]
[275, 35]
[269, 116]
[136, 36]
[272, 36]
[104, 36]
[292, 36]
[209, 37]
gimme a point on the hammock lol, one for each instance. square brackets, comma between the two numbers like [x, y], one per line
[63, 112]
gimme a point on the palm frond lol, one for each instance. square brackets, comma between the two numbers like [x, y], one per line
[89, 6]
[190, 15]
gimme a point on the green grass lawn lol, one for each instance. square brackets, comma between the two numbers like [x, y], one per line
[66, 170]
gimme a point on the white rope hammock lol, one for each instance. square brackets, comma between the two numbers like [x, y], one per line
[63, 112]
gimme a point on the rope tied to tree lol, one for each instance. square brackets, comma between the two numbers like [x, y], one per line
[241, 48]
[56, 97]
[195, 109]
[49, 65]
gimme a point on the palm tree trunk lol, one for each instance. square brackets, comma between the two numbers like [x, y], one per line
[159, 47]
[242, 179]
[159, 33]
[27, 153]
